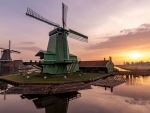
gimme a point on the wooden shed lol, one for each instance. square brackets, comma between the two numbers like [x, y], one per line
[99, 66]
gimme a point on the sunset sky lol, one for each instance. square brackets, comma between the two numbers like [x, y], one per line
[117, 28]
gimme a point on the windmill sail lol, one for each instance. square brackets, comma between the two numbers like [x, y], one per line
[78, 36]
[64, 15]
[35, 15]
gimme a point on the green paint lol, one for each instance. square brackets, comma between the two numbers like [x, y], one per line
[66, 49]
[110, 66]
[57, 58]
[56, 55]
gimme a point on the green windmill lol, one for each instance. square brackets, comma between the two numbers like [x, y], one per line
[57, 59]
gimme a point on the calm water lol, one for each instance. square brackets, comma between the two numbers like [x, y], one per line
[133, 96]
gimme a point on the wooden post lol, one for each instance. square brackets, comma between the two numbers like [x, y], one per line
[111, 89]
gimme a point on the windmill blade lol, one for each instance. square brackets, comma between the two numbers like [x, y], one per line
[64, 15]
[14, 51]
[2, 48]
[35, 15]
[78, 36]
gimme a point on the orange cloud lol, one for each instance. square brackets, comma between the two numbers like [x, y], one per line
[128, 40]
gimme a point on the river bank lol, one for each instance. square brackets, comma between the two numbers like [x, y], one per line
[37, 79]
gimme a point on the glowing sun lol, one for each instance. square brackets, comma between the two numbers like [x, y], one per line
[135, 55]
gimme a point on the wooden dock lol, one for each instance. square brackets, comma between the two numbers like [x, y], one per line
[48, 89]
[111, 81]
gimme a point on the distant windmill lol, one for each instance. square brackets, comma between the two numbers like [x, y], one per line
[6, 54]
[57, 57]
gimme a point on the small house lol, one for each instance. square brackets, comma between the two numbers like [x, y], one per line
[100, 66]
[12, 67]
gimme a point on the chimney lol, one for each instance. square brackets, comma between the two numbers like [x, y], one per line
[104, 59]
[110, 58]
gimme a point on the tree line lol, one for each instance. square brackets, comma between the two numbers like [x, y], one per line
[140, 63]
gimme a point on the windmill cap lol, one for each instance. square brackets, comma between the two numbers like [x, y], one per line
[56, 30]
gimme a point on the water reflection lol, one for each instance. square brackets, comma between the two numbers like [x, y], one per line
[57, 103]
[120, 69]
[53, 103]
[137, 80]
[132, 94]
[112, 81]
[3, 86]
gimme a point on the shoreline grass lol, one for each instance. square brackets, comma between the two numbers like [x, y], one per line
[37, 78]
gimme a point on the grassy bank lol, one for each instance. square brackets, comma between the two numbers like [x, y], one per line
[36, 78]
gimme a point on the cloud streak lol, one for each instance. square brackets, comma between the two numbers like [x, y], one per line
[142, 28]
[28, 43]
[32, 48]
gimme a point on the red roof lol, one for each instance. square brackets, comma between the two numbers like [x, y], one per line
[12, 62]
[93, 63]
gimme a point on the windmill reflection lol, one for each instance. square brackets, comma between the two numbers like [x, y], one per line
[53, 103]
[3, 87]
